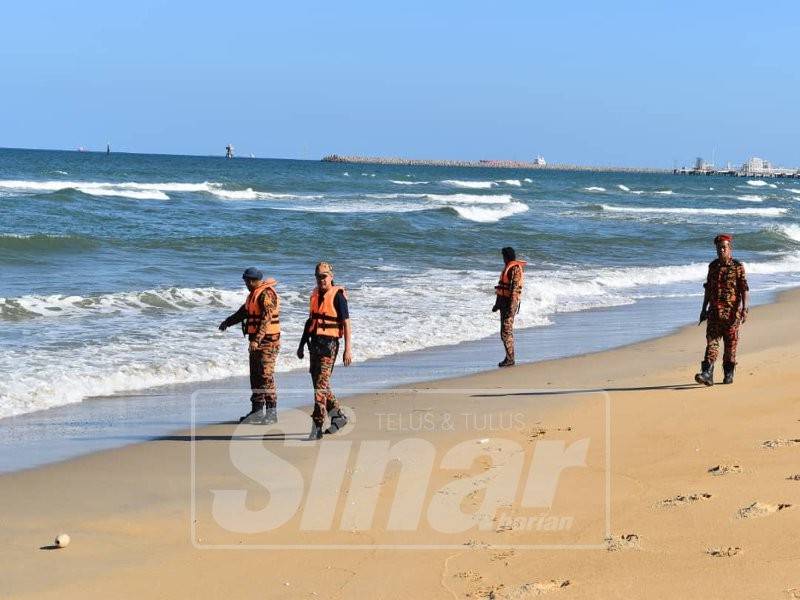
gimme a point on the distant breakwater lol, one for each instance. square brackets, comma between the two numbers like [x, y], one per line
[496, 164]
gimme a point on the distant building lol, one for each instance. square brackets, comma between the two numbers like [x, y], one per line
[540, 161]
[701, 165]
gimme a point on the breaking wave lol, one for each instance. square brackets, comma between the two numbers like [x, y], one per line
[595, 188]
[473, 185]
[761, 212]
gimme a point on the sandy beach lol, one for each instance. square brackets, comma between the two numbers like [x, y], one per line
[686, 492]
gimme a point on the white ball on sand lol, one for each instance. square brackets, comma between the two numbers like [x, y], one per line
[62, 540]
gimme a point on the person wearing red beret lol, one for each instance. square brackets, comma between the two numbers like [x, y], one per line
[725, 307]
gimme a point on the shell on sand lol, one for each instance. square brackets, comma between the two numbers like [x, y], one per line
[62, 540]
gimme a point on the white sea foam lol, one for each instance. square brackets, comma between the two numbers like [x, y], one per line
[135, 194]
[408, 182]
[489, 215]
[761, 212]
[471, 198]
[751, 198]
[346, 174]
[513, 182]
[474, 185]
[61, 172]
[760, 183]
[528, 180]
[143, 350]
[791, 231]
[793, 190]
[595, 188]
[624, 188]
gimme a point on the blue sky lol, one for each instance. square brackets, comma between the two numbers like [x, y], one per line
[617, 83]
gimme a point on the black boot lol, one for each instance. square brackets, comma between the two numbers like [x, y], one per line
[255, 414]
[506, 362]
[338, 421]
[316, 433]
[706, 374]
[729, 368]
[270, 415]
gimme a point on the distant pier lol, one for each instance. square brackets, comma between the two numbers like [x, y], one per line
[495, 164]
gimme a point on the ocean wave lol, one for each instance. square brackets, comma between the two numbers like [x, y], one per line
[793, 190]
[474, 185]
[471, 198]
[751, 198]
[512, 182]
[136, 346]
[251, 194]
[45, 242]
[624, 188]
[398, 182]
[791, 231]
[528, 180]
[135, 194]
[760, 183]
[761, 212]
[595, 188]
[489, 215]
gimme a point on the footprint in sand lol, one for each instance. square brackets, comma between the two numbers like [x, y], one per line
[724, 470]
[724, 552]
[527, 590]
[683, 500]
[627, 541]
[760, 509]
[795, 477]
[780, 443]
[793, 593]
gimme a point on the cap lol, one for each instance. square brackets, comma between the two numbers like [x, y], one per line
[323, 267]
[252, 273]
[723, 237]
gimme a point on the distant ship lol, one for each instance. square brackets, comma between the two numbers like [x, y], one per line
[539, 161]
[229, 151]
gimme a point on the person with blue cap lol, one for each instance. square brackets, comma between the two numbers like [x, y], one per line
[260, 319]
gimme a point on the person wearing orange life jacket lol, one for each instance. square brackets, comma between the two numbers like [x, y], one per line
[260, 319]
[328, 321]
[508, 295]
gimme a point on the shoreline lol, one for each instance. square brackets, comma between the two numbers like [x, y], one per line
[129, 522]
[50, 436]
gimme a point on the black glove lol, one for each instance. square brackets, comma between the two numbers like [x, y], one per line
[223, 326]
[703, 316]
[300, 353]
[496, 307]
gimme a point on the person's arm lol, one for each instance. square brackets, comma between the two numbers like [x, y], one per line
[347, 358]
[516, 288]
[303, 339]
[744, 294]
[706, 298]
[235, 318]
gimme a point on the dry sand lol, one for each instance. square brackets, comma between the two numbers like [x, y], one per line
[703, 499]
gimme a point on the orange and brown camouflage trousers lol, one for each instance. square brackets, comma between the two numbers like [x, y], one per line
[262, 374]
[507, 329]
[321, 370]
[729, 332]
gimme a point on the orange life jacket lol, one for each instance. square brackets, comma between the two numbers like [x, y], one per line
[503, 287]
[255, 311]
[322, 312]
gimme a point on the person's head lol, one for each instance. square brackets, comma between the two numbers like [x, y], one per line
[324, 274]
[252, 277]
[724, 244]
[508, 254]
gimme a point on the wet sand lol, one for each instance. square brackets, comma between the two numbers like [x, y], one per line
[703, 502]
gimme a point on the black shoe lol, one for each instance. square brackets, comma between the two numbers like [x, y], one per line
[506, 362]
[729, 368]
[338, 421]
[316, 433]
[706, 374]
[254, 416]
[270, 416]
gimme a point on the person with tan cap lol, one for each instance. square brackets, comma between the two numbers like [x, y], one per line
[725, 307]
[328, 322]
[260, 319]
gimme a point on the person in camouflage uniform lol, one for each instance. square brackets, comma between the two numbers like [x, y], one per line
[725, 306]
[328, 322]
[508, 296]
[260, 318]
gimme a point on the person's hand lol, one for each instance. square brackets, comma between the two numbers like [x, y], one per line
[742, 315]
[253, 346]
[348, 357]
[300, 354]
[703, 316]
[223, 326]
[496, 307]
